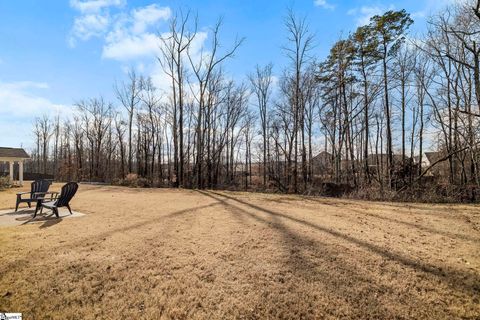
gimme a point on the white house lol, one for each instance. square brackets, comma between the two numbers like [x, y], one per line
[12, 155]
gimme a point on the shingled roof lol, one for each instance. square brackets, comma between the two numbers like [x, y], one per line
[13, 153]
[434, 156]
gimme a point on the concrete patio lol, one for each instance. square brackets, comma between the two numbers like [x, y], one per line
[23, 216]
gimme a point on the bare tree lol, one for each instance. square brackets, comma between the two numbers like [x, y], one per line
[261, 83]
[128, 93]
[204, 68]
[300, 44]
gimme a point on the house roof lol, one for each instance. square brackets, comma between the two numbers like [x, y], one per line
[322, 155]
[434, 156]
[373, 157]
[13, 153]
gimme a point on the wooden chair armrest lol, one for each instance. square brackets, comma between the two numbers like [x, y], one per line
[46, 192]
[44, 195]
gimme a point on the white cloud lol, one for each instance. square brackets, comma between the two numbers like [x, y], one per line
[433, 6]
[149, 15]
[131, 36]
[324, 4]
[133, 43]
[126, 35]
[95, 5]
[94, 19]
[20, 104]
[363, 14]
[23, 85]
[197, 47]
[131, 47]
[88, 26]
[20, 99]
[162, 81]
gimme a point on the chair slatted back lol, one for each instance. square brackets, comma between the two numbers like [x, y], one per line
[39, 186]
[67, 193]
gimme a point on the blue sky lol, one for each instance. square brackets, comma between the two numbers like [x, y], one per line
[54, 52]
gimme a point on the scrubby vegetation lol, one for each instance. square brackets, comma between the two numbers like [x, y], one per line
[4, 183]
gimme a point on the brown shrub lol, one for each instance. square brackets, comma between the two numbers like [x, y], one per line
[5, 183]
[429, 193]
[372, 192]
[132, 180]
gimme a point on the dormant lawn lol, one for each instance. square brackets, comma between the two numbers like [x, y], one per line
[185, 254]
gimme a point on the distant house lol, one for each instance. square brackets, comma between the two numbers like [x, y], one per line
[434, 156]
[425, 161]
[12, 156]
[381, 159]
[324, 158]
[402, 167]
[441, 168]
[322, 162]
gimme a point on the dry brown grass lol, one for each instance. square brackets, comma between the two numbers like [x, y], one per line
[164, 253]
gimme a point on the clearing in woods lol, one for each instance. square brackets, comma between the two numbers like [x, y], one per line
[165, 253]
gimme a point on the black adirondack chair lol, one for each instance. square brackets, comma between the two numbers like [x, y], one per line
[37, 190]
[63, 200]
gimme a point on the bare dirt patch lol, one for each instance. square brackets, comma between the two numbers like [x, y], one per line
[164, 253]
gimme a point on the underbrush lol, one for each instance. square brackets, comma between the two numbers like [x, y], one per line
[5, 183]
[441, 193]
[432, 193]
[372, 193]
[427, 192]
[133, 180]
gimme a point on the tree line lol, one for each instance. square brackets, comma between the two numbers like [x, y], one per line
[361, 117]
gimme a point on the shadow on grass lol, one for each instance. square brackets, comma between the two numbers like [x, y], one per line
[455, 278]
[21, 211]
[432, 209]
[146, 222]
[51, 222]
[98, 237]
[363, 211]
[47, 219]
[418, 226]
[316, 262]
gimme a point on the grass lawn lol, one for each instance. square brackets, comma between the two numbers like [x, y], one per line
[183, 254]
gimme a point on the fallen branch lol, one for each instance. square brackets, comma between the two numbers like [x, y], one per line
[434, 164]
[440, 160]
